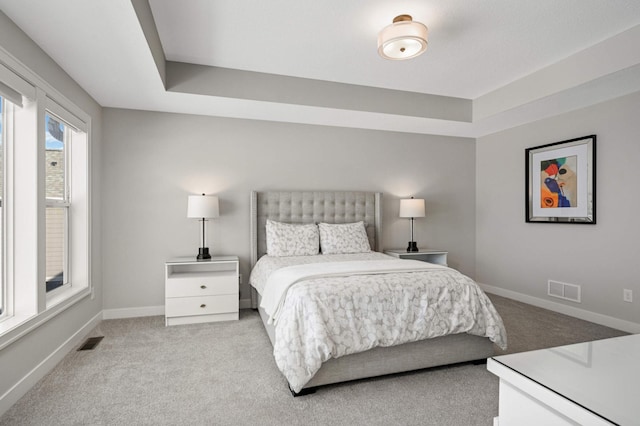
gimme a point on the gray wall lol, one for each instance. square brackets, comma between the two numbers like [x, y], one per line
[602, 258]
[152, 161]
[21, 357]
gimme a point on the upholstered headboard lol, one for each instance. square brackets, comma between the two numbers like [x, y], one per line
[313, 207]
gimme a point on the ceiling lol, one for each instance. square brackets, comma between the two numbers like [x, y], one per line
[507, 60]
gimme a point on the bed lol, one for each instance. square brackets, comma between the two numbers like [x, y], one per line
[322, 356]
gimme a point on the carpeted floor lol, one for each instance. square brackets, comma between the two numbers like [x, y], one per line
[143, 373]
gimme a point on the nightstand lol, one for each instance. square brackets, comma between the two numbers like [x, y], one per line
[201, 291]
[439, 257]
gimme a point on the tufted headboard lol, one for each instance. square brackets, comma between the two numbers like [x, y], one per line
[313, 207]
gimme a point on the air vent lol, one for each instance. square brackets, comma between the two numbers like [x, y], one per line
[90, 344]
[564, 291]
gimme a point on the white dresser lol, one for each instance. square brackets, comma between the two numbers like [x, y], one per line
[588, 384]
[201, 291]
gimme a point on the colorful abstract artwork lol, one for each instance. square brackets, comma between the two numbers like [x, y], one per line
[560, 181]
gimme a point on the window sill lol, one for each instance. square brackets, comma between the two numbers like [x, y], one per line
[61, 294]
[15, 327]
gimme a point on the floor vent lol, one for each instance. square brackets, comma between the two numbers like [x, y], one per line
[564, 291]
[90, 343]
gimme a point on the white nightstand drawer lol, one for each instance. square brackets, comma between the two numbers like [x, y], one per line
[188, 306]
[201, 284]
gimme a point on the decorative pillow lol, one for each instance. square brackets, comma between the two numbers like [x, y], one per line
[287, 239]
[343, 238]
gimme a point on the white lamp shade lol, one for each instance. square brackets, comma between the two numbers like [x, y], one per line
[203, 206]
[404, 39]
[413, 207]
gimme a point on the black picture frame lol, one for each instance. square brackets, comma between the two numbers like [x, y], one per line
[560, 182]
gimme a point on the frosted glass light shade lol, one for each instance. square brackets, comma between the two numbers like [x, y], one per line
[413, 207]
[404, 39]
[203, 206]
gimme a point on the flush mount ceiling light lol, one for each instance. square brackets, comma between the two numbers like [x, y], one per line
[404, 39]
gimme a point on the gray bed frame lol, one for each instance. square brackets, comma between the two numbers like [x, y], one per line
[345, 207]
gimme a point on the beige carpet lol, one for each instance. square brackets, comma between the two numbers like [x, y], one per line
[143, 373]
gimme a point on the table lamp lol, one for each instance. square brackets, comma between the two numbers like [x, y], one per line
[203, 207]
[412, 208]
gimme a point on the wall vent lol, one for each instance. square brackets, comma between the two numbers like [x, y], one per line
[564, 291]
[90, 343]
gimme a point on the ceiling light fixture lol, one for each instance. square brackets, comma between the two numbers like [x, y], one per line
[404, 39]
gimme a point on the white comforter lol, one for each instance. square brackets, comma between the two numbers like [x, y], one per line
[329, 314]
[280, 280]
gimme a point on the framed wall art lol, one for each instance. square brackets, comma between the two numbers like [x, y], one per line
[560, 182]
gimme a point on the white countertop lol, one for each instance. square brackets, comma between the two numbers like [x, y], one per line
[602, 376]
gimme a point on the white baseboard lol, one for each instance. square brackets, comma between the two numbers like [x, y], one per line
[18, 390]
[245, 303]
[619, 324]
[141, 311]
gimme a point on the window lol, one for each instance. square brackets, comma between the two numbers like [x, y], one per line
[45, 238]
[66, 189]
[57, 201]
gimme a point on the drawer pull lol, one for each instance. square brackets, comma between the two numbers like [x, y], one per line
[203, 286]
[203, 306]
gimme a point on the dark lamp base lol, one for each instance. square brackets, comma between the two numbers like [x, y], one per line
[203, 253]
[412, 246]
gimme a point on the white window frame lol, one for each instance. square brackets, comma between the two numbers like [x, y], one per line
[4, 115]
[28, 305]
[77, 160]
[8, 213]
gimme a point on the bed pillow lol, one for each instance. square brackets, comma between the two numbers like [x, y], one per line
[343, 238]
[287, 239]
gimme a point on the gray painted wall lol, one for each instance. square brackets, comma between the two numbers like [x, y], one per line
[24, 356]
[153, 161]
[603, 258]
